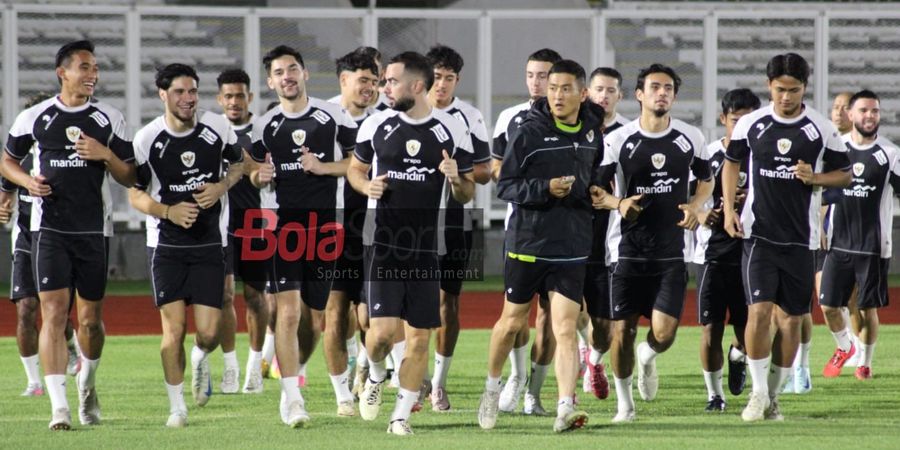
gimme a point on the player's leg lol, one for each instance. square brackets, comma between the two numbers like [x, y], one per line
[800, 367]
[868, 336]
[583, 332]
[565, 312]
[668, 303]
[838, 280]
[379, 342]
[257, 318]
[542, 351]
[27, 342]
[872, 275]
[445, 344]
[513, 318]
[412, 370]
[309, 330]
[596, 301]
[337, 311]
[737, 312]
[171, 350]
[518, 376]
[785, 346]
[287, 351]
[362, 359]
[621, 357]
[711, 307]
[208, 321]
[231, 372]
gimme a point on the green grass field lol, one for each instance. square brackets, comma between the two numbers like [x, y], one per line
[841, 413]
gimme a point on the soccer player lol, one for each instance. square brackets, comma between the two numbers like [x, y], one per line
[858, 250]
[840, 109]
[650, 161]
[78, 142]
[791, 149]
[537, 70]
[180, 182]
[605, 89]
[358, 77]
[413, 150]
[448, 64]
[719, 285]
[305, 138]
[548, 167]
[234, 97]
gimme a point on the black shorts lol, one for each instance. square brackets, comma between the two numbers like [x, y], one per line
[642, 287]
[720, 289]
[21, 277]
[820, 259]
[62, 260]
[252, 273]
[306, 272]
[195, 275]
[349, 270]
[596, 289]
[417, 300]
[783, 274]
[843, 271]
[524, 279]
[454, 262]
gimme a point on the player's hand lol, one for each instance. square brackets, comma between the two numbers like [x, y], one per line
[711, 217]
[91, 149]
[561, 186]
[376, 186]
[804, 173]
[690, 220]
[449, 168]
[739, 198]
[208, 194]
[38, 187]
[310, 162]
[183, 214]
[597, 196]
[266, 171]
[6, 206]
[630, 207]
[732, 222]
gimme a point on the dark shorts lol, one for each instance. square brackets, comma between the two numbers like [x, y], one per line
[61, 261]
[783, 274]
[720, 289]
[642, 287]
[524, 279]
[417, 300]
[596, 289]
[21, 277]
[349, 270]
[307, 273]
[820, 259]
[252, 273]
[195, 275]
[843, 271]
[454, 262]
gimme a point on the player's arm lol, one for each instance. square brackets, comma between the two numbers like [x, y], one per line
[513, 186]
[693, 210]
[208, 194]
[12, 170]
[313, 165]
[7, 200]
[730, 173]
[481, 172]
[183, 214]
[495, 169]
[123, 172]
[358, 176]
[462, 184]
[838, 178]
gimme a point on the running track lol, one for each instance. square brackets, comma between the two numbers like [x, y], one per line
[137, 315]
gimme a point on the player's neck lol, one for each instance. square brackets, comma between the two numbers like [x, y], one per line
[420, 110]
[179, 126]
[725, 141]
[609, 117]
[859, 140]
[439, 104]
[352, 108]
[244, 120]
[71, 99]
[652, 123]
[296, 105]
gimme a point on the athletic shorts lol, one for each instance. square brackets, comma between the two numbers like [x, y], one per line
[61, 260]
[720, 289]
[252, 273]
[783, 274]
[843, 271]
[641, 287]
[21, 278]
[195, 275]
[349, 270]
[311, 275]
[417, 300]
[523, 279]
[596, 289]
[453, 264]
[820, 259]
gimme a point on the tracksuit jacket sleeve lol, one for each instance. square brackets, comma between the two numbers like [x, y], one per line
[515, 184]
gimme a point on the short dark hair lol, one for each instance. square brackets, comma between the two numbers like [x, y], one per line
[233, 76]
[607, 72]
[353, 61]
[165, 75]
[370, 52]
[418, 64]
[443, 57]
[790, 64]
[657, 68]
[865, 93]
[738, 99]
[570, 67]
[64, 54]
[278, 52]
[545, 55]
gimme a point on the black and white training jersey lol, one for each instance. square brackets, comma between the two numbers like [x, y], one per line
[861, 219]
[353, 201]
[172, 166]
[243, 195]
[409, 151]
[21, 218]
[657, 165]
[714, 244]
[508, 122]
[600, 219]
[322, 128]
[481, 153]
[618, 121]
[781, 209]
[80, 202]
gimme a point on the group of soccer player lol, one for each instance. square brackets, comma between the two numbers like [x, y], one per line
[351, 214]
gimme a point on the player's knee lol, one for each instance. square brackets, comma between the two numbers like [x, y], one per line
[91, 324]
[207, 339]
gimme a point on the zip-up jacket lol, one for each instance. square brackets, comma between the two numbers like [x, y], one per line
[542, 226]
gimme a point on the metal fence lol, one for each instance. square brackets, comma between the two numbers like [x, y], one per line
[713, 51]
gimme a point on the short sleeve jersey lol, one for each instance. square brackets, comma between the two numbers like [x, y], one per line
[243, 195]
[21, 230]
[600, 219]
[353, 200]
[714, 244]
[507, 123]
[481, 152]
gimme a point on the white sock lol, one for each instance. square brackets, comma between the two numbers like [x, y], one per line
[341, 385]
[291, 389]
[176, 398]
[538, 375]
[197, 356]
[645, 353]
[713, 384]
[842, 339]
[624, 397]
[564, 405]
[517, 358]
[301, 370]
[596, 357]
[582, 337]
[759, 372]
[231, 360]
[397, 352]
[268, 350]
[803, 353]
[865, 359]
[254, 359]
[56, 388]
[441, 368]
[88, 373]
[776, 378]
[72, 343]
[377, 370]
[492, 384]
[362, 358]
[405, 402]
[736, 355]
[32, 368]
[352, 347]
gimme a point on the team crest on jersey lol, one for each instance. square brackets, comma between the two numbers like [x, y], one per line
[858, 169]
[299, 136]
[658, 160]
[188, 159]
[589, 136]
[742, 179]
[784, 146]
[73, 133]
[412, 147]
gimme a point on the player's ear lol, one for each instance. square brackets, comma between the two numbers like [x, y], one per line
[270, 83]
[305, 74]
[723, 119]
[342, 79]
[60, 71]
[220, 99]
[249, 97]
[163, 95]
